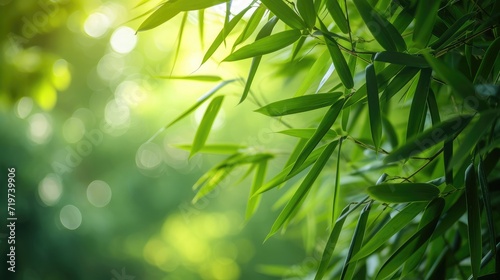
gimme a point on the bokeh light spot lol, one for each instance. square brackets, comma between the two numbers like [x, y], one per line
[40, 128]
[73, 130]
[99, 193]
[96, 25]
[71, 217]
[123, 40]
[24, 107]
[117, 113]
[50, 189]
[61, 77]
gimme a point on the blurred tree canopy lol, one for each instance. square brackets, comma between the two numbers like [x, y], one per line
[364, 131]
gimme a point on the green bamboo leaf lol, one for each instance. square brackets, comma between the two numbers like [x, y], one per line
[316, 70]
[383, 31]
[373, 105]
[284, 13]
[170, 9]
[338, 15]
[210, 181]
[264, 32]
[406, 250]
[396, 224]
[429, 138]
[206, 124]
[488, 62]
[303, 189]
[483, 185]
[331, 243]
[390, 132]
[399, 81]
[324, 126]
[266, 45]
[200, 78]
[450, 217]
[447, 155]
[218, 149]
[425, 18]
[473, 220]
[307, 11]
[297, 47]
[382, 79]
[221, 37]
[258, 181]
[200, 101]
[402, 59]
[403, 19]
[456, 29]
[478, 129]
[339, 62]
[403, 192]
[433, 107]
[418, 105]
[201, 27]
[251, 26]
[336, 192]
[299, 104]
[454, 78]
[356, 242]
[287, 173]
[306, 133]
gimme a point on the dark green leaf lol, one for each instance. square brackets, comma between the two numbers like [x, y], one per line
[450, 33]
[483, 185]
[338, 15]
[425, 19]
[266, 45]
[473, 220]
[418, 105]
[373, 105]
[402, 59]
[339, 61]
[307, 11]
[399, 81]
[488, 62]
[306, 133]
[284, 13]
[299, 104]
[403, 192]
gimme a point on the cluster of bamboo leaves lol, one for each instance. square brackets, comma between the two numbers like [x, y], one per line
[407, 92]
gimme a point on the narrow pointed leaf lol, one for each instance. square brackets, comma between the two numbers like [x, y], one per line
[251, 26]
[201, 27]
[383, 31]
[306, 133]
[299, 104]
[206, 124]
[399, 81]
[403, 192]
[418, 105]
[307, 11]
[373, 105]
[336, 192]
[429, 138]
[338, 60]
[324, 126]
[483, 185]
[316, 70]
[488, 62]
[396, 224]
[284, 13]
[433, 107]
[425, 18]
[402, 59]
[451, 32]
[266, 45]
[338, 15]
[473, 220]
[303, 189]
[223, 34]
[258, 180]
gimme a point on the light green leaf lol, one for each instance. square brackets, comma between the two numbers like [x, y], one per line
[284, 13]
[336, 192]
[425, 18]
[324, 126]
[201, 27]
[206, 124]
[307, 11]
[383, 31]
[303, 189]
[266, 45]
[306, 133]
[252, 24]
[402, 59]
[406, 250]
[338, 15]
[373, 105]
[396, 224]
[223, 34]
[418, 108]
[429, 138]
[403, 192]
[299, 104]
[258, 181]
[316, 70]
[473, 220]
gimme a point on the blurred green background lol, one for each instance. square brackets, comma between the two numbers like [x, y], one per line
[79, 98]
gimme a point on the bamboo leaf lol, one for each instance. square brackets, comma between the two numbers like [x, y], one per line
[338, 15]
[433, 107]
[396, 224]
[373, 105]
[306, 133]
[488, 62]
[356, 242]
[284, 13]
[258, 181]
[223, 34]
[451, 32]
[303, 189]
[206, 124]
[473, 220]
[307, 11]
[338, 60]
[383, 31]
[251, 26]
[429, 138]
[399, 81]
[266, 45]
[324, 126]
[425, 18]
[418, 105]
[403, 192]
[336, 192]
[406, 250]
[299, 104]
[402, 59]
[201, 27]
[483, 185]
[316, 70]
[264, 32]
[218, 149]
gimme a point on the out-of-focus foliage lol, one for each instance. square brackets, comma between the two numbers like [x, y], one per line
[403, 91]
